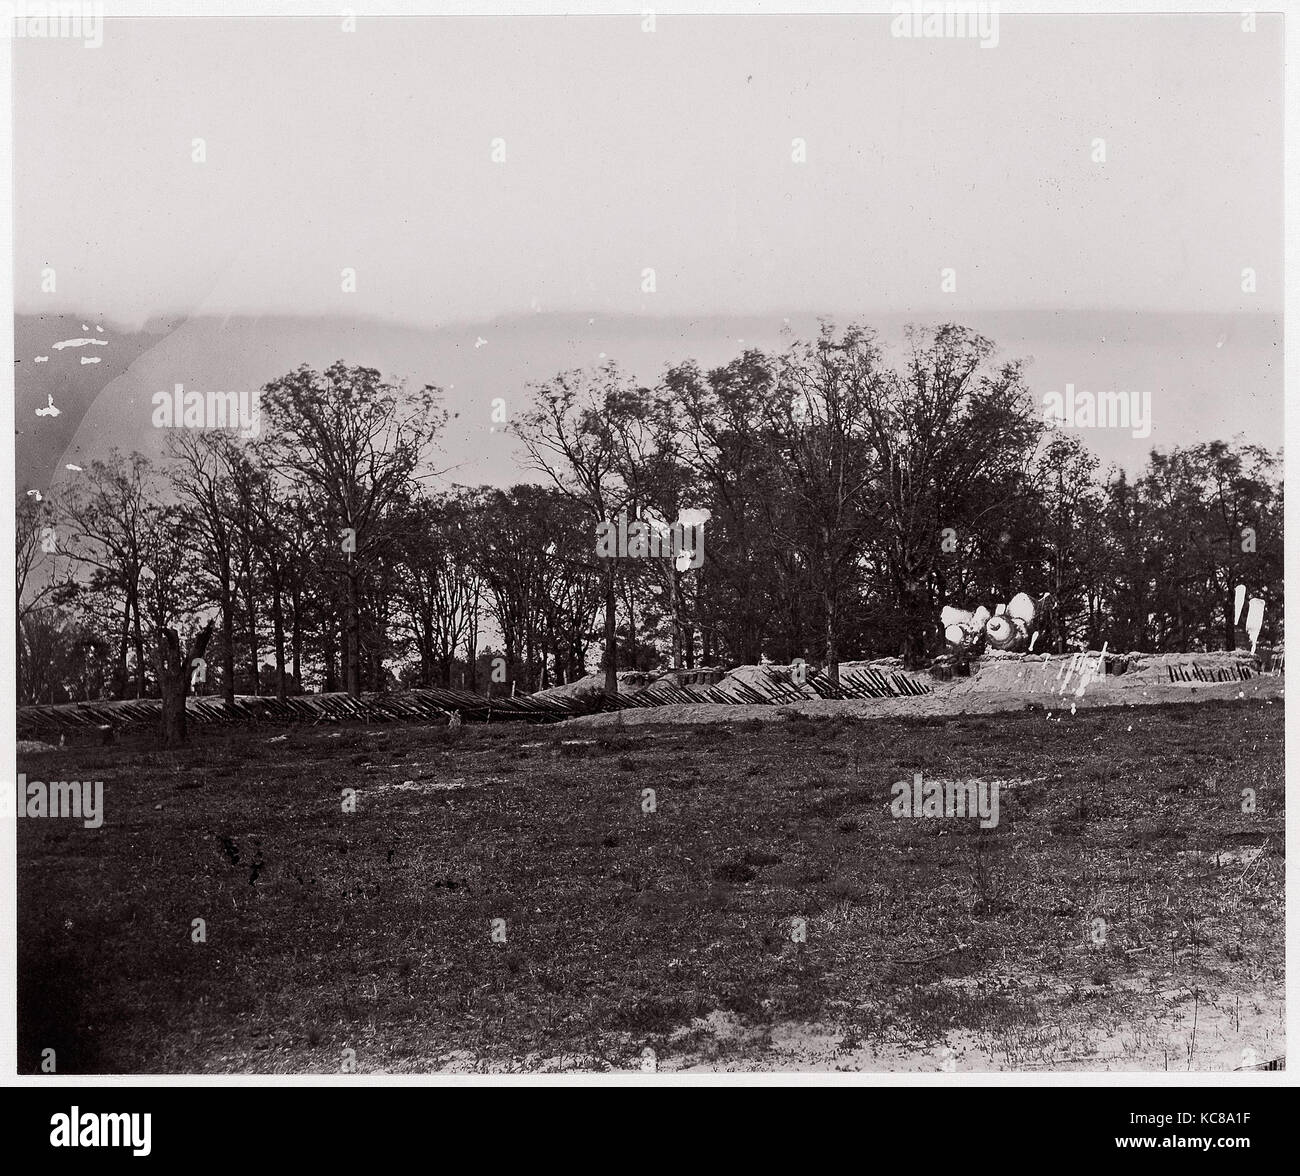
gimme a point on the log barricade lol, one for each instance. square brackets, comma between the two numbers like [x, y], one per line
[428, 705]
[437, 705]
[869, 683]
[1195, 673]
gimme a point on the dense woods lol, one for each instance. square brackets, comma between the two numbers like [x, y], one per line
[849, 494]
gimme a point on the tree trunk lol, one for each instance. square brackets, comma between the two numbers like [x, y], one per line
[20, 665]
[611, 636]
[471, 648]
[631, 627]
[675, 604]
[916, 616]
[119, 671]
[255, 683]
[228, 646]
[277, 624]
[226, 594]
[330, 648]
[832, 639]
[296, 640]
[425, 644]
[174, 672]
[138, 641]
[352, 631]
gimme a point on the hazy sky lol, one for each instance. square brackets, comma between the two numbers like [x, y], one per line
[628, 150]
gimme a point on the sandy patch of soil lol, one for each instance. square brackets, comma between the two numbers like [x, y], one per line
[32, 746]
[1154, 1023]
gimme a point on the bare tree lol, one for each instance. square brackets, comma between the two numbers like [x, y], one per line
[40, 583]
[110, 511]
[204, 464]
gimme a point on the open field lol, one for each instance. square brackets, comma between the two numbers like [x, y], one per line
[1125, 913]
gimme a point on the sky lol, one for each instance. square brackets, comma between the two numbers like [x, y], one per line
[627, 151]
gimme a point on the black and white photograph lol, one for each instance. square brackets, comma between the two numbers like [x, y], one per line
[627, 544]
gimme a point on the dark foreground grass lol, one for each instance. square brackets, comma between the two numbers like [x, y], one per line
[1116, 858]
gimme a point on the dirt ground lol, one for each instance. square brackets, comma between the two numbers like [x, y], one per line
[656, 930]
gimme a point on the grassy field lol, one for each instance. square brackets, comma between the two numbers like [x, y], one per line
[1119, 916]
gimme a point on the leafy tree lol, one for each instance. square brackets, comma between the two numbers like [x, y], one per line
[357, 445]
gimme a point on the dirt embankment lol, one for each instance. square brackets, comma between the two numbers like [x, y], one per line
[1002, 683]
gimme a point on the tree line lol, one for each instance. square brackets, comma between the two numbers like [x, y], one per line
[850, 492]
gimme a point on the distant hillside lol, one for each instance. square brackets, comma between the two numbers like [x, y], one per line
[1209, 375]
[60, 375]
